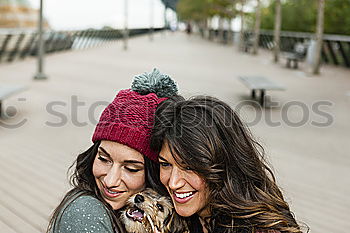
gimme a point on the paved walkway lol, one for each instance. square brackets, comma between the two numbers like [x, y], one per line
[311, 162]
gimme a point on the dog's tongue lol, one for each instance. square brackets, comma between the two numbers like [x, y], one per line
[137, 214]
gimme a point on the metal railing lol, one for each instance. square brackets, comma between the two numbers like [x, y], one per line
[335, 50]
[19, 44]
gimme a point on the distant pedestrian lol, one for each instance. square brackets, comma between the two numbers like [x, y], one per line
[188, 28]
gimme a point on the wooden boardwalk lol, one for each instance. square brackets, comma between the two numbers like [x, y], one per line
[312, 163]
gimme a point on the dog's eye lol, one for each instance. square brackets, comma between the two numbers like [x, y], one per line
[160, 207]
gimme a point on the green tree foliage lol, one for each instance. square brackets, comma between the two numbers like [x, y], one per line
[223, 8]
[337, 17]
[198, 10]
[300, 15]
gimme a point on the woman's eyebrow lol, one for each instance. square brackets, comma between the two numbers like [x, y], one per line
[133, 161]
[104, 151]
[161, 158]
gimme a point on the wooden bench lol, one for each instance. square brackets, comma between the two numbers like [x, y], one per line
[6, 91]
[262, 84]
[292, 58]
[296, 56]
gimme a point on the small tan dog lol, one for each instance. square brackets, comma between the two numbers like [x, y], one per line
[149, 212]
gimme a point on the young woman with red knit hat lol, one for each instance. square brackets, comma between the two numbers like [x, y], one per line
[119, 163]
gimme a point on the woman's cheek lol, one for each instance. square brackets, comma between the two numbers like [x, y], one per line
[164, 176]
[135, 181]
[97, 169]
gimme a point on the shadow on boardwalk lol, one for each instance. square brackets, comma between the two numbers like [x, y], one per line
[59, 114]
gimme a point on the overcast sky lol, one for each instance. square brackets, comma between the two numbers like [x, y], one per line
[80, 14]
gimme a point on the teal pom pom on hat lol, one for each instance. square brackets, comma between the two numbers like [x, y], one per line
[155, 82]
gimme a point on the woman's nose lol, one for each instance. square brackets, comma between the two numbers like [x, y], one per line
[176, 179]
[113, 177]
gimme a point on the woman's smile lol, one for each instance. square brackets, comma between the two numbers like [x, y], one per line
[183, 197]
[111, 193]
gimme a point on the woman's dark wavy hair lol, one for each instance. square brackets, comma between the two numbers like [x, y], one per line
[83, 183]
[207, 135]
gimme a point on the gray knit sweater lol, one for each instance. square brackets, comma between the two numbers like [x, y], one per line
[86, 214]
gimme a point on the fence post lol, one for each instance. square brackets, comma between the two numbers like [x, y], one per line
[12, 55]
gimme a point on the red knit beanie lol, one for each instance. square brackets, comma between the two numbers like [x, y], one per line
[129, 118]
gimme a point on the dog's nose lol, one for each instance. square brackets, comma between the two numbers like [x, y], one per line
[139, 198]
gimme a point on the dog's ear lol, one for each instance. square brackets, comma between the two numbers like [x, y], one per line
[174, 223]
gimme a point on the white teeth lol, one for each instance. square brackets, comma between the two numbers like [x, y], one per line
[183, 195]
[111, 192]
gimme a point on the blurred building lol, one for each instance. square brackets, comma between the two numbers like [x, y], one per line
[18, 14]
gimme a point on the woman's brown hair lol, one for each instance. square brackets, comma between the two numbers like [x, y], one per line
[208, 136]
[83, 183]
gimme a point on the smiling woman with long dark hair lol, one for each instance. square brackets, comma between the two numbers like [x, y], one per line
[215, 171]
[120, 162]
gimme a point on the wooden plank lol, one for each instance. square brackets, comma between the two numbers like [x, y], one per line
[32, 187]
[34, 202]
[23, 212]
[39, 170]
[15, 222]
[6, 228]
[45, 155]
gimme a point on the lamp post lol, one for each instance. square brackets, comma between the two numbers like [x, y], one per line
[126, 30]
[41, 50]
[166, 25]
[151, 20]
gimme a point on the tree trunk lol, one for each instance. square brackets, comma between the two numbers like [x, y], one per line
[277, 33]
[257, 27]
[319, 37]
[241, 33]
[206, 29]
[221, 30]
[230, 32]
[233, 15]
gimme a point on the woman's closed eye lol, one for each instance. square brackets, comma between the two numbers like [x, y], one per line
[103, 159]
[134, 170]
